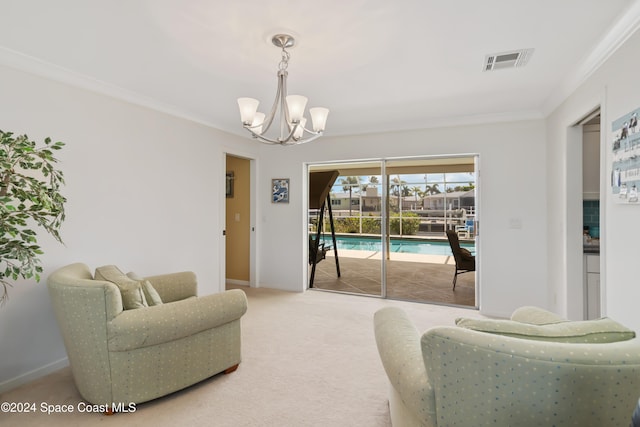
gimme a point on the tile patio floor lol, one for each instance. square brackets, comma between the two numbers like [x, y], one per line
[413, 277]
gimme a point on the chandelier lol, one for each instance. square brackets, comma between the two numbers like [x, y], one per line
[292, 120]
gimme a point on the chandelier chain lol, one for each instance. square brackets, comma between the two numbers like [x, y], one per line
[284, 63]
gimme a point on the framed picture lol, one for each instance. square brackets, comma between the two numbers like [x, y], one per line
[229, 186]
[280, 190]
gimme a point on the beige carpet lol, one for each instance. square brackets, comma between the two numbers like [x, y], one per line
[309, 359]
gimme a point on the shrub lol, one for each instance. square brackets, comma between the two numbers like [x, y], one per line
[410, 223]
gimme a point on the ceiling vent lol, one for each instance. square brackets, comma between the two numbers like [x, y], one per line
[512, 59]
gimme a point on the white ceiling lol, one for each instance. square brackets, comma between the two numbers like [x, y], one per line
[379, 65]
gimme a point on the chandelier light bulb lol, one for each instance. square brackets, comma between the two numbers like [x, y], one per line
[296, 105]
[248, 107]
[319, 118]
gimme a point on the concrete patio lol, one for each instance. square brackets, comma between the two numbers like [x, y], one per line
[411, 277]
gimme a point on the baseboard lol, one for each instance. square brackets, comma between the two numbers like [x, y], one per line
[237, 282]
[27, 377]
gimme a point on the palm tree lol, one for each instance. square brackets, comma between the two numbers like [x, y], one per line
[417, 192]
[395, 183]
[432, 189]
[347, 185]
[373, 181]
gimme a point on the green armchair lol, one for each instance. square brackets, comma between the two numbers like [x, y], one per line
[532, 370]
[123, 356]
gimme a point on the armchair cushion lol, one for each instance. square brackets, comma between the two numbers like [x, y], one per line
[172, 321]
[150, 293]
[602, 330]
[535, 316]
[132, 294]
[175, 286]
[466, 253]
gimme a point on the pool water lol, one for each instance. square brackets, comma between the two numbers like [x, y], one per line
[418, 246]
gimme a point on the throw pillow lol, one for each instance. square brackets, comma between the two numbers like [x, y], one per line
[150, 293]
[536, 316]
[587, 331]
[130, 290]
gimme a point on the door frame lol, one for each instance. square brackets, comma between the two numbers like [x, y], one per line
[253, 238]
[385, 214]
[574, 292]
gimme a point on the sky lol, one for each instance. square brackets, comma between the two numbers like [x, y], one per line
[419, 180]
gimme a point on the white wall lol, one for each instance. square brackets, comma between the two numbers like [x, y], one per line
[512, 262]
[144, 191]
[615, 86]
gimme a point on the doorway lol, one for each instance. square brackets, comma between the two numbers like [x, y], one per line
[583, 202]
[239, 220]
[390, 219]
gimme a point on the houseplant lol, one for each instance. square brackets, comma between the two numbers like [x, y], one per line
[29, 198]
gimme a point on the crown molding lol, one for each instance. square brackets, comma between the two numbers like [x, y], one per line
[627, 24]
[38, 67]
[444, 122]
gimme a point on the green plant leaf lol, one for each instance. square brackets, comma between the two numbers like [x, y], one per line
[30, 200]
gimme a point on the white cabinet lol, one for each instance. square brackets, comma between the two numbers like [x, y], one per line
[591, 161]
[592, 284]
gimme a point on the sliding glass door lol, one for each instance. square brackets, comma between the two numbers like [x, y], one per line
[428, 198]
[390, 219]
[345, 224]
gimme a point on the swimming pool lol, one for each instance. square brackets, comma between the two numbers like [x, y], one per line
[411, 246]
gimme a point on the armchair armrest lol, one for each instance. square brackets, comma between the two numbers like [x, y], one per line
[175, 286]
[154, 325]
[400, 350]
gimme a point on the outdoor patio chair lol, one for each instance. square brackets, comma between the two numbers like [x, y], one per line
[465, 261]
[466, 229]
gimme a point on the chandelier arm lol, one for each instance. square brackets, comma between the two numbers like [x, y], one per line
[286, 141]
[302, 140]
[285, 109]
[312, 132]
[285, 122]
[269, 120]
[263, 138]
[289, 137]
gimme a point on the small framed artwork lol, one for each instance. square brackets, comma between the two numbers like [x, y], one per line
[280, 190]
[229, 186]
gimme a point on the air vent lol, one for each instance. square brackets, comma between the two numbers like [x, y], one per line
[512, 59]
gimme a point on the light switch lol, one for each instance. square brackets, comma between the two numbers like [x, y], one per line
[515, 223]
[237, 217]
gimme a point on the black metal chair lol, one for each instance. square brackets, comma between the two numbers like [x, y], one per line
[465, 261]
